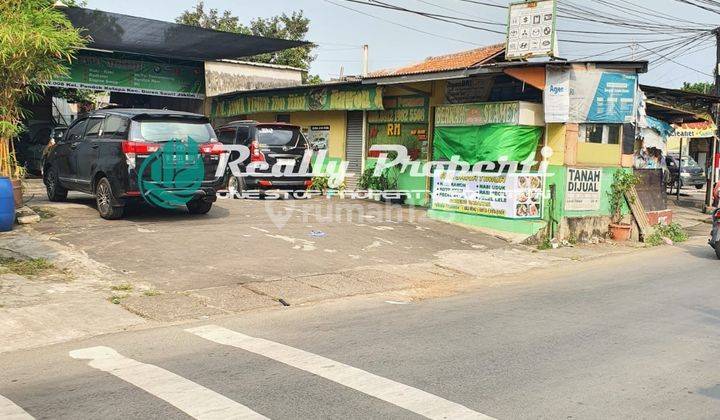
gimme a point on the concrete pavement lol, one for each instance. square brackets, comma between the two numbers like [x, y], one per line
[632, 336]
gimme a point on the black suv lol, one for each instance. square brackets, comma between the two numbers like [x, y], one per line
[102, 152]
[273, 143]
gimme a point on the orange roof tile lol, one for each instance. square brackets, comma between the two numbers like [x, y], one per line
[456, 61]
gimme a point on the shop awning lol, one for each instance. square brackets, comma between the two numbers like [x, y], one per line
[114, 32]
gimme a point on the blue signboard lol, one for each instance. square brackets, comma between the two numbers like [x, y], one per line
[614, 100]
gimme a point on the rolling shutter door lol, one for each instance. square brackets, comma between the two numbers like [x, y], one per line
[354, 147]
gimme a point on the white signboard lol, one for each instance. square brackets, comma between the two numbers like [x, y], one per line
[517, 196]
[557, 95]
[319, 136]
[531, 30]
[583, 189]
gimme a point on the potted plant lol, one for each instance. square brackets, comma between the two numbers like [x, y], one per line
[38, 41]
[623, 182]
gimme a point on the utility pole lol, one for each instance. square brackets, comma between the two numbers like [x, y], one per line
[365, 64]
[712, 179]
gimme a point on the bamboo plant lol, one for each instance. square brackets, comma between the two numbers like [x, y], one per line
[37, 42]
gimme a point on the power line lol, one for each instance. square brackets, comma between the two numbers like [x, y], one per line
[400, 24]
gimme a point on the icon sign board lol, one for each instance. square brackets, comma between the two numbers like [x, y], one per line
[531, 30]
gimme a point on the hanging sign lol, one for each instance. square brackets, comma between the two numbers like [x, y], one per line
[583, 189]
[336, 98]
[318, 136]
[603, 97]
[477, 114]
[557, 95]
[133, 74]
[531, 30]
[516, 196]
[704, 129]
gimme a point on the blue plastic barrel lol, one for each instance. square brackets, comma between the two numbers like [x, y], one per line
[7, 205]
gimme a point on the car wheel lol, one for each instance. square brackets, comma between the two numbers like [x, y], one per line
[107, 205]
[236, 186]
[55, 191]
[700, 187]
[199, 206]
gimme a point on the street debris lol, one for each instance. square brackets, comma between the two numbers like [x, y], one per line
[26, 216]
[318, 234]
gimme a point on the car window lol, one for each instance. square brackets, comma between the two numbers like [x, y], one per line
[280, 136]
[116, 127]
[76, 132]
[227, 136]
[162, 131]
[243, 135]
[93, 128]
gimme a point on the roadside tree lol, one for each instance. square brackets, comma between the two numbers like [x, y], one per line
[37, 42]
[294, 27]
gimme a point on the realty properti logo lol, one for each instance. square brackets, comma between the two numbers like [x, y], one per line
[171, 176]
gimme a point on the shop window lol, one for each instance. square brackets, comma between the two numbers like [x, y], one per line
[600, 133]
[283, 118]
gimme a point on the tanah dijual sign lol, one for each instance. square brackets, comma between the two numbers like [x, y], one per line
[583, 189]
[515, 196]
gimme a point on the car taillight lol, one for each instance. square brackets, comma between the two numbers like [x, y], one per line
[139, 148]
[212, 148]
[132, 149]
[256, 155]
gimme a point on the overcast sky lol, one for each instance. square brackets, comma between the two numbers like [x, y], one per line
[340, 32]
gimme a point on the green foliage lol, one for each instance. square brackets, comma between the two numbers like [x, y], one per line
[294, 26]
[387, 181]
[321, 183]
[623, 182]
[368, 180]
[31, 267]
[312, 80]
[673, 231]
[705, 88]
[545, 244]
[325, 183]
[76, 96]
[37, 42]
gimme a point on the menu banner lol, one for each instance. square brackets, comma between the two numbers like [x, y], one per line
[514, 196]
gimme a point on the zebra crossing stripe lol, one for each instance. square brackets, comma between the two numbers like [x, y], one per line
[10, 411]
[194, 399]
[407, 397]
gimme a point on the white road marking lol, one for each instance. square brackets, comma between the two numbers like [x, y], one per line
[10, 411]
[186, 395]
[407, 397]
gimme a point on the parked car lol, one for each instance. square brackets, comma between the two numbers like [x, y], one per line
[274, 143]
[32, 143]
[102, 153]
[691, 174]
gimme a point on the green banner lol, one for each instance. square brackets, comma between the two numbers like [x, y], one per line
[488, 143]
[477, 114]
[402, 109]
[134, 74]
[340, 98]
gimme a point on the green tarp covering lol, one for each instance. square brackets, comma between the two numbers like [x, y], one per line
[486, 143]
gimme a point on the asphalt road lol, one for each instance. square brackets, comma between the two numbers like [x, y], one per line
[629, 337]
